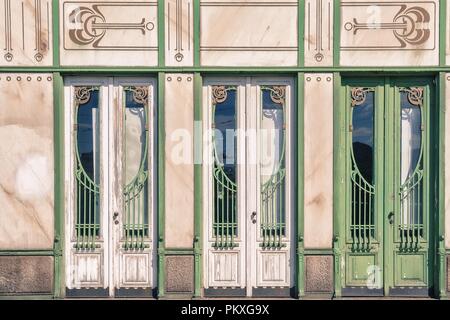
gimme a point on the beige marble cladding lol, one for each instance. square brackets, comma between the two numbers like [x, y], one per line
[179, 166]
[179, 35]
[447, 161]
[318, 160]
[108, 33]
[318, 33]
[389, 33]
[26, 33]
[248, 33]
[26, 161]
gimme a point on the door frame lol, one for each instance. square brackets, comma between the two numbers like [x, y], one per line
[247, 84]
[340, 163]
[110, 89]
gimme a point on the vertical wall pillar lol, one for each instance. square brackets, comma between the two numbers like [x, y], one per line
[179, 184]
[318, 182]
[27, 194]
[444, 239]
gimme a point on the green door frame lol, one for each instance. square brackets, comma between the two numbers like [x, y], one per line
[341, 185]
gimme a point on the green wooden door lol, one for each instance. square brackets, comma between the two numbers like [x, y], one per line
[387, 217]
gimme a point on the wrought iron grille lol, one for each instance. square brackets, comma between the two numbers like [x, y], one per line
[362, 221]
[87, 188]
[225, 226]
[135, 192]
[410, 222]
[273, 216]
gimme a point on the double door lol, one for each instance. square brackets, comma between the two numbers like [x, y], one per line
[388, 217]
[109, 139]
[247, 187]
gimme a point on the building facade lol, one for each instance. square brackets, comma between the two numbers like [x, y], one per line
[224, 148]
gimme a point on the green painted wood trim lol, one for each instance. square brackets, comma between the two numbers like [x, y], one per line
[300, 274]
[441, 267]
[55, 32]
[390, 176]
[27, 253]
[442, 31]
[58, 140]
[310, 252]
[196, 36]
[336, 33]
[338, 178]
[179, 252]
[430, 167]
[301, 33]
[83, 70]
[161, 33]
[161, 184]
[198, 188]
[177, 296]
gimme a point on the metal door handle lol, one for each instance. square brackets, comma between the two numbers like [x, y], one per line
[391, 217]
[115, 216]
[253, 216]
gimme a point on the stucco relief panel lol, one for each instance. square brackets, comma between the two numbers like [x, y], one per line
[389, 33]
[109, 33]
[26, 32]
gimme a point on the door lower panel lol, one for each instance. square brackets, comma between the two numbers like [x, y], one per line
[134, 292]
[87, 293]
[361, 292]
[273, 292]
[410, 291]
[225, 292]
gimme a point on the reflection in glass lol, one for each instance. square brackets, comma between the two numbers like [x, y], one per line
[135, 146]
[272, 166]
[411, 190]
[87, 165]
[362, 155]
[362, 136]
[224, 170]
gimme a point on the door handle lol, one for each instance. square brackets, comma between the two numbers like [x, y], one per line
[391, 217]
[253, 217]
[115, 216]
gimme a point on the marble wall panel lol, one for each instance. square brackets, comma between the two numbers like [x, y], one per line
[179, 165]
[318, 160]
[389, 33]
[108, 33]
[248, 33]
[26, 33]
[26, 161]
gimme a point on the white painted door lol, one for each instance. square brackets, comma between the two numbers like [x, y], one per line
[247, 179]
[109, 134]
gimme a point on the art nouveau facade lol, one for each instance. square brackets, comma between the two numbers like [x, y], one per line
[224, 148]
